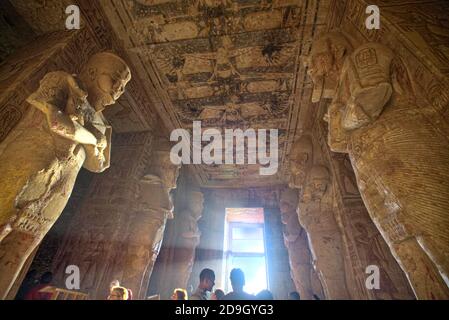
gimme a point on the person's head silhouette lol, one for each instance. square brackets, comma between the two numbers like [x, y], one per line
[237, 280]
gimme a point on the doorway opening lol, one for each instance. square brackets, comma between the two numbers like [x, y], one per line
[244, 248]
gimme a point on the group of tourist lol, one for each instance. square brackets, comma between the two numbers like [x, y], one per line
[33, 289]
[237, 277]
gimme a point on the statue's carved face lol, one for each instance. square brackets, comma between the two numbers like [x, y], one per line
[298, 167]
[105, 77]
[288, 215]
[318, 187]
[288, 201]
[111, 85]
[301, 157]
[299, 162]
[197, 212]
[286, 205]
[317, 184]
[165, 169]
[154, 196]
[320, 63]
[169, 174]
[196, 205]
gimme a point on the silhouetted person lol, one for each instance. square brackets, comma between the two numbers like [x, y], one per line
[294, 295]
[207, 282]
[118, 293]
[218, 295]
[29, 282]
[264, 295]
[43, 290]
[179, 294]
[116, 283]
[238, 282]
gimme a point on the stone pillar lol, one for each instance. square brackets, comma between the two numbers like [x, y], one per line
[187, 238]
[296, 242]
[399, 155]
[280, 282]
[315, 212]
[316, 216]
[209, 252]
[147, 224]
[118, 229]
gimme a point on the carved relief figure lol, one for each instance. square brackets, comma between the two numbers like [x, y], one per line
[295, 239]
[62, 131]
[224, 66]
[93, 251]
[400, 158]
[187, 239]
[377, 252]
[315, 212]
[232, 112]
[428, 28]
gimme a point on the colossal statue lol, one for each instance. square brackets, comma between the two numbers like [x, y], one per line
[315, 212]
[399, 156]
[62, 131]
[153, 206]
[187, 239]
[296, 242]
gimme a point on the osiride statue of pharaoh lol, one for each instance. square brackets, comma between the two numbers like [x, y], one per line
[400, 157]
[62, 131]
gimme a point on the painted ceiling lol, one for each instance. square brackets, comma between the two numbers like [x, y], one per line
[229, 64]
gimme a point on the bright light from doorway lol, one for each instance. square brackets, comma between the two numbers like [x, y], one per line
[245, 248]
